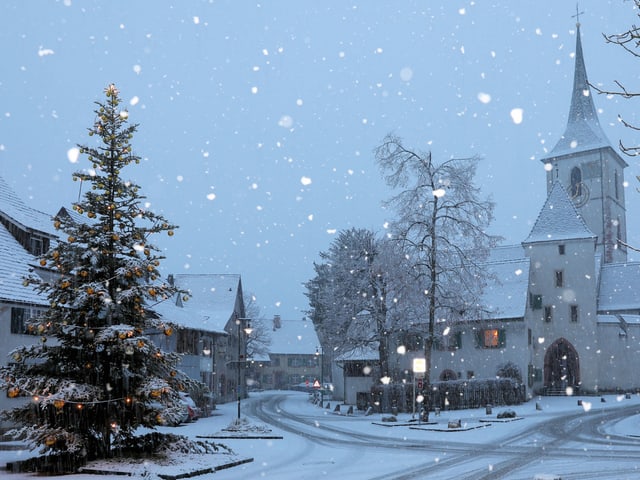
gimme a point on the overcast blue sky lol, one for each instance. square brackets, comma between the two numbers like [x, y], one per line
[258, 120]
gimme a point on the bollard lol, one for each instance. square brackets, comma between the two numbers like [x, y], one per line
[488, 409]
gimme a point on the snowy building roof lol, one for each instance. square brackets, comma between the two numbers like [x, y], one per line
[558, 219]
[13, 207]
[212, 304]
[366, 352]
[583, 131]
[14, 267]
[619, 287]
[506, 252]
[293, 337]
[506, 296]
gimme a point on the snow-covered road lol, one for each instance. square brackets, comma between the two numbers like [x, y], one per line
[562, 438]
[552, 436]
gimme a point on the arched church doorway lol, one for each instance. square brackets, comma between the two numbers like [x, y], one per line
[561, 367]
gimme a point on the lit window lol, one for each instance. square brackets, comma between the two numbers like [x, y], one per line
[491, 338]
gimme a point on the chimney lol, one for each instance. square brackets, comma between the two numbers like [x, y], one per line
[277, 323]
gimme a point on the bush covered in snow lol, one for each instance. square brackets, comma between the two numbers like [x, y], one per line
[451, 395]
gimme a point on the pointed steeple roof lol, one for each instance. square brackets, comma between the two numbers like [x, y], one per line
[583, 131]
[558, 219]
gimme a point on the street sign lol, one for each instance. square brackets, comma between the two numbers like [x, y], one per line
[316, 384]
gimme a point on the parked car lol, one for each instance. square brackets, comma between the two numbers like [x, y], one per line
[193, 411]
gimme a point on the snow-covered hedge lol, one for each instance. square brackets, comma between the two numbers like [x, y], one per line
[450, 395]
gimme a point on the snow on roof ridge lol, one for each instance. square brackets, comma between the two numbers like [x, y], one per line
[558, 219]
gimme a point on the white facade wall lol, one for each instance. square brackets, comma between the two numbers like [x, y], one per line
[579, 289]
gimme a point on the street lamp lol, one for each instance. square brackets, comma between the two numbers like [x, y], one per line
[419, 367]
[320, 352]
[247, 330]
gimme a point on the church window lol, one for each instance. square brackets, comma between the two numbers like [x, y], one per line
[548, 314]
[559, 278]
[535, 301]
[561, 249]
[491, 338]
[576, 182]
[574, 313]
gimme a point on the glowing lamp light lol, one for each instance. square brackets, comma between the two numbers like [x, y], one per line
[58, 404]
[419, 365]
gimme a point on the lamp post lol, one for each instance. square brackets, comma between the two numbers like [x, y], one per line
[247, 330]
[320, 352]
[419, 367]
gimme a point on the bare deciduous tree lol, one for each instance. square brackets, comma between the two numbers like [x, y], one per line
[441, 227]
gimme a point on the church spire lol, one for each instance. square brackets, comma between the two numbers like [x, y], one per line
[583, 131]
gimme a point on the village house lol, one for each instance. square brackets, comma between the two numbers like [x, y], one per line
[294, 360]
[210, 332]
[204, 329]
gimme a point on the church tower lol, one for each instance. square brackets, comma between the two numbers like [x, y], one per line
[590, 170]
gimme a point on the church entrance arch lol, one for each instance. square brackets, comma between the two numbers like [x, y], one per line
[561, 367]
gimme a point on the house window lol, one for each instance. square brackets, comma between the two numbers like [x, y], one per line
[561, 249]
[18, 320]
[491, 338]
[449, 342]
[548, 314]
[615, 183]
[356, 369]
[559, 278]
[574, 313]
[20, 317]
[535, 301]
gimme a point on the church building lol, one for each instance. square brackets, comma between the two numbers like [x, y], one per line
[565, 304]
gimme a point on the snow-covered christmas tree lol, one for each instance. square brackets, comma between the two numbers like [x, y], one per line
[96, 376]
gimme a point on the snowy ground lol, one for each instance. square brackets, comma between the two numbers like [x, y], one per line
[593, 440]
